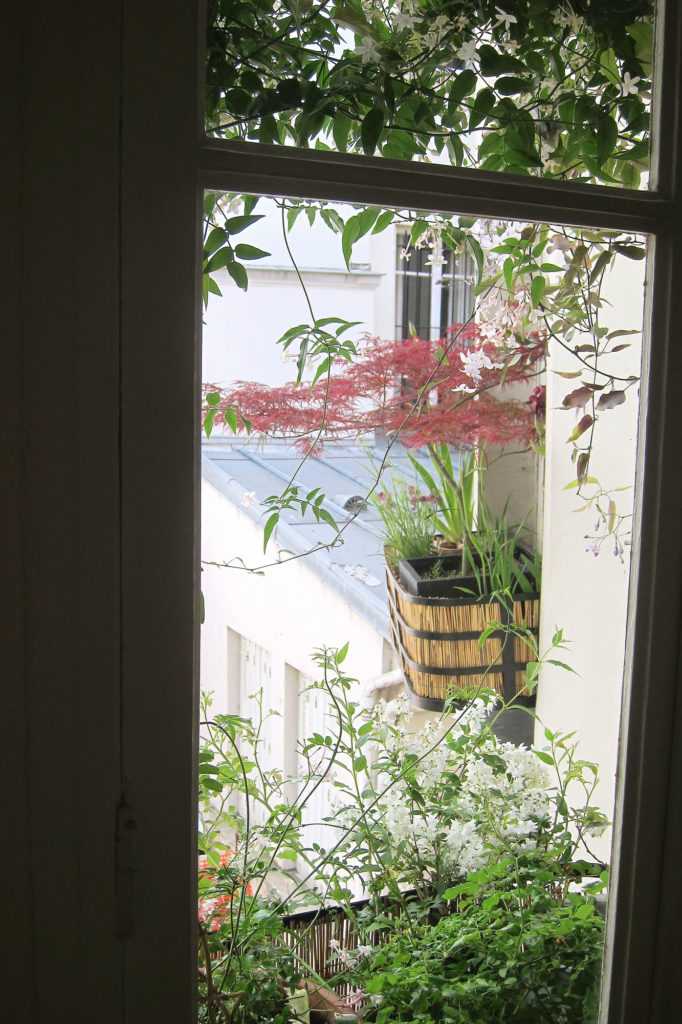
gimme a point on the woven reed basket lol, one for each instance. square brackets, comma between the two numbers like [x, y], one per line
[437, 642]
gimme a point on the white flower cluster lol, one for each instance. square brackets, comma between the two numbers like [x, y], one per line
[476, 360]
[348, 957]
[501, 802]
[566, 17]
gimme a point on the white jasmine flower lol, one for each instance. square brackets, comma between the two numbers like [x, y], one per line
[461, 21]
[629, 85]
[504, 19]
[576, 23]
[403, 21]
[476, 360]
[467, 51]
[248, 499]
[561, 243]
[369, 51]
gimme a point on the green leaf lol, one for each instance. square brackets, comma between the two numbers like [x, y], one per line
[209, 419]
[464, 85]
[532, 673]
[249, 204]
[483, 104]
[607, 137]
[332, 220]
[537, 290]
[477, 252]
[215, 239]
[355, 227]
[230, 416]
[494, 63]
[270, 525]
[561, 664]
[545, 758]
[249, 252]
[213, 398]
[360, 763]
[419, 228]
[219, 259]
[371, 129]
[508, 273]
[238, 274]
[642, 33]
[383, 221]
[292, 216]
[236, 224]
[322, 369]
[512, 86]
[632, 252]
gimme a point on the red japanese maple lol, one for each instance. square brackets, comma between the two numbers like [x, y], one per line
[425, 391]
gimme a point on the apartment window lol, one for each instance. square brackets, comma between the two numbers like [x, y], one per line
[433, 288]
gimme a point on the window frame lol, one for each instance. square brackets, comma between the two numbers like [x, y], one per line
[639, 977]
[105, 503]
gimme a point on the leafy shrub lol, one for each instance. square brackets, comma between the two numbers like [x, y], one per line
[520, 949]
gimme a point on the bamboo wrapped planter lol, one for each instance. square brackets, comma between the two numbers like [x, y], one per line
[437, 642]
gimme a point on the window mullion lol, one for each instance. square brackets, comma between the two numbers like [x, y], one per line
[338, 177]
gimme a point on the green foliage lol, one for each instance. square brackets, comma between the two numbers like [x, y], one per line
[497, 561]
[219, 251]
[407, 522]
[448, 811]
[293, 499]
[520, 948]
[454, 491]
[316, 342]
[556, 91]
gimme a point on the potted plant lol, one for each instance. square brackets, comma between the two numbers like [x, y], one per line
[440, 604]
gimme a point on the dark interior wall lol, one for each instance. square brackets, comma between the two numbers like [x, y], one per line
[99, 433]
[60, 392]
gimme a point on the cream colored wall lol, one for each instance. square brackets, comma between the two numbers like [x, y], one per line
[241, 329]
[281, 617]
[583, 594]
[289, 610]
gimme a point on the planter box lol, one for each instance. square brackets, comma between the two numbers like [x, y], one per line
[436, 639]
[415, 580]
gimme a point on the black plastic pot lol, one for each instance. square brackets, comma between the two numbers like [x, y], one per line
[415, 576]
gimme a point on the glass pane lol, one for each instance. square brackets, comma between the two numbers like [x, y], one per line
[416, 558]
[559, 90]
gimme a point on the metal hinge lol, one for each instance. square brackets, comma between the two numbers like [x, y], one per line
[126, 831]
